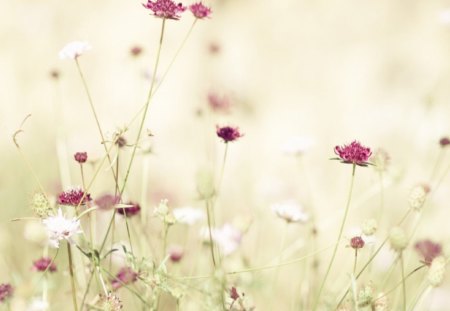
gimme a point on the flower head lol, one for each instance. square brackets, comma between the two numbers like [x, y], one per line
[74, 197]
[357, 242]
[219, 103]
[134, 209]
[176, 253]
[60, 228]
[428, 250]
[200, 10]
[6, 291]
[188, 215]
[44, 264]
[136, 51]
[355, 153]
[109, 302]
[73, 50]
[290, 212]
[444, 142]
[125, 276]
[167, 9]
[107, 201]
[234, 293]
[80, 157]
[228, 133]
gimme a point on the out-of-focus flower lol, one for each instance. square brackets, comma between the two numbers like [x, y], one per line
[109, 302]
[444, 142]
[428, 250]
[437, 271]
[176, 253]
[297, 146]
[60, 228]
[228, 133]
[136, 51]
[80, 157]
[234, 295]
[188, 215]
[73, 50]
[380, 160]
[44, 264]
[369, 226]
[133, 210]
[74, 197]
[38, 305]
[162, 212]
[355, 153]
[200, 10]
[107, 201]
[41, 205]
[228, 238]
[54, 73]
[125, 276]
[357, 242]
[417, 196]
[398, 239]
[6, 292]
[167, 9]
[290, 211]
[219, 103]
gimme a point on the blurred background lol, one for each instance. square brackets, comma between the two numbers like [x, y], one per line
[326, 71]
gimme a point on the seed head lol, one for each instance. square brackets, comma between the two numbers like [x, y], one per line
[417, 196]
[355, 153]
[437, 271]
[40, 205]
[398, 239]
[369, 226]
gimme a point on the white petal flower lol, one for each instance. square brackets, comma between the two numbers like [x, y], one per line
[188, 215]
[74, 49]
[60, 228]
[290, 211]
[297, 145]
[228, 238]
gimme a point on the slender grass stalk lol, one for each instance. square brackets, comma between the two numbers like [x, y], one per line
[341, 230]
[403, 281]
[72, 278]
[211, 240]
[420, 297]
[355, 261]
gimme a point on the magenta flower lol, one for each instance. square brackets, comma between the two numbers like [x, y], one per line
[125, 276]
[165, 8]
[74, 197]
[357, 242]
[428, 250]
[130, 211]
[176, 253]
[80, 157]
[228, 133]
[444, 142]
[136, 51]
[107, 202]
[355, 153]
[6, 291]
[199, 10]
[44, 264]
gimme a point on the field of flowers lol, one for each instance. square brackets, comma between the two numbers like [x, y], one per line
[225, 155]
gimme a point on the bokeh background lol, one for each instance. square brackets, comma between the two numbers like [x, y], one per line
[331, 71]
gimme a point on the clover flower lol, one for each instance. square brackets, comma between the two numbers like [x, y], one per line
[74, 197]
[61, 228]
[428, 250]
[228, 133]
[125, 276]
[166, 9]
[73, 50]
[44, 264]
[357, 242]
[354, 153]
[6, 292]
[134, 209]
[290, 211]
[188, 215]
[200, 10]
[80, 157]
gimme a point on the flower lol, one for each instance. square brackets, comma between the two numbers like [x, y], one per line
[398, 239]
[176, 253]
[74, 197]
[188, 215]
[125, 276]
[199, 10]
[6, 291]
[444, 142]
[428, 250]
[60, 228]
[74, 50]
[297, 146]
[355, 153]
[369, 226]
[228, 133]
[290, 212]
[136, 51]
[109, 302]
[80, 157]
[44, 264]
[228, 238]
[417, 196]
[357, 242]
[134, 209]
[219, 104]
[165, 8]
[107, 201]
[234, 293]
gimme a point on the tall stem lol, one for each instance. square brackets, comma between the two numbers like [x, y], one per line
[341, 230]
[72, 278]
[211, 241]
[403, 281]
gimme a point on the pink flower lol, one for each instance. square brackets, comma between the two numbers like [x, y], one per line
[219, 104]
[165, 8]
[176, 253]
[6, 291]
[357, 242]
[80, 157]
[428, 250]
[355, 153]
[44, 264]
[136, 51]
[199, 10]
[228, 133]
[444, 141]
[107, 202]
[134, 209]
[74, 197]
[125, 276]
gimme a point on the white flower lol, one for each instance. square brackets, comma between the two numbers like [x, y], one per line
[74, 49]
[228, 238]
[290, 211]
[38, 305]
[60, 228]
[188, 215]
[297, 145]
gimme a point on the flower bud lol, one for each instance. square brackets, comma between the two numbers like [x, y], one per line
[398, 239]
[436, 272]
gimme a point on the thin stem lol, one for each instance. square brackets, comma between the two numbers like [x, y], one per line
[222, 169]
[403, 281]
[355, 261]
[341, 230]
[72, 278]
[211, 241]
[87, 289]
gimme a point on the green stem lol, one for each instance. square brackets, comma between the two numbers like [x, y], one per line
[403, 281]
[341, 230]
[72, 278]
[211, 241]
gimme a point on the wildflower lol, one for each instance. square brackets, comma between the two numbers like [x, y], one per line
[398, 239]
[44, 264]
[428, 250]
[357, 242]
[6, 292]
[290, 212]
[228, 133]
[80, 157]
[60, 228]
[121, 142]
[437, 271]
[107, 201]
[234, 293]
[369, 227]
[133, 209]
[355, 153]
[167, 9]
[109, 302]
[73, 50]
[228, 238]
[176, 253]
[444, 142]
[380, 160]
[125, 276]
[136, 51]
[188, 215]
[199, 10]
[296, 146]
[40, 205]
[74, 197]
[417, 196]
[219, 104]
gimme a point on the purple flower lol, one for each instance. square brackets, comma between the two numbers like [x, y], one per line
[228, 133]
[355, 153]
[80, 157]
[428, 250]
[6, 291]
[44, 264]
[357, 242]
[199, 10]
[444, 142]
[130, 211]
[125, 276]
[107, 201]
[74, 197]
[136, 51]
[165, 8]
